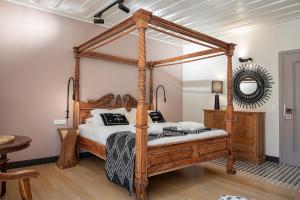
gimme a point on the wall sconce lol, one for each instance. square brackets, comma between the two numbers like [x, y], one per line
[245, 60]
[217, 88]
[68, 94]
[165, 99]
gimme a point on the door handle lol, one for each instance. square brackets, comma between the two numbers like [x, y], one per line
[287, 112]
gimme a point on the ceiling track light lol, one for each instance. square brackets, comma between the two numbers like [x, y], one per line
[98, 17]
[123, 8]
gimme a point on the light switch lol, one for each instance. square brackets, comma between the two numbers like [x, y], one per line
[288, 116]
[59, 121]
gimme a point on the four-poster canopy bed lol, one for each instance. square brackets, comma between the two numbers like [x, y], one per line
[152, 160]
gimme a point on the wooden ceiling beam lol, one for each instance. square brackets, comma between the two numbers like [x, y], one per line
[111, 40]
[181, 37]
[107, 57]
[192, 60]
[159, 22]
[124, 25]
[187, 56]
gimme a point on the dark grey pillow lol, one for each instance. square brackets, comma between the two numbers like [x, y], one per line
[111, 119]
[156, 116]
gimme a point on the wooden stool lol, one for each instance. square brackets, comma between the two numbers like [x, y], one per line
[67, 158]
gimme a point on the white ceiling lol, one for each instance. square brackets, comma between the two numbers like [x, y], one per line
[213, 17]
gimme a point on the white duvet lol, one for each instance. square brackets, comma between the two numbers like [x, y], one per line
[100, 133]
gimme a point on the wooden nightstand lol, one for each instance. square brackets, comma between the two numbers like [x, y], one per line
[69, 150]
[249, 132]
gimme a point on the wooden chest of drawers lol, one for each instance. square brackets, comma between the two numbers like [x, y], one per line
[249, 132]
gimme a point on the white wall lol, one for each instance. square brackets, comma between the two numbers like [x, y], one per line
[263, 45]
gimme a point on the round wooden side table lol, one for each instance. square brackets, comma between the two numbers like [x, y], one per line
[20, 142]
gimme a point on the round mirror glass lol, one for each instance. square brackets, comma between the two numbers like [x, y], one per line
[248, 85]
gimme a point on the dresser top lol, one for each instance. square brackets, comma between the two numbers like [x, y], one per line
[245, 112]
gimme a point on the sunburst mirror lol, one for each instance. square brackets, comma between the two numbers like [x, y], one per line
[252, 85]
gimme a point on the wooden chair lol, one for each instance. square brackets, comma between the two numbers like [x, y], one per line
[24, 181]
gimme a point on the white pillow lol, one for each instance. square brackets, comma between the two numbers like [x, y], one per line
[90, 120]
[131, 116]
[96, 114]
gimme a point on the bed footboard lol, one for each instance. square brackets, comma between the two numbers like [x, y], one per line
[169, 157]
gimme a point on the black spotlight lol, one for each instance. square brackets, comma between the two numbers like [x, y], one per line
[98, 21]
[123, 8]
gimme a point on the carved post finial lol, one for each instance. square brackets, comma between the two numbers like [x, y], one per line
[142, 18]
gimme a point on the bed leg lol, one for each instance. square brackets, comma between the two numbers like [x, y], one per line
[230, 162]
[140, 188]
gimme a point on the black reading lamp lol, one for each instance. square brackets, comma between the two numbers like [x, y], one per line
[73, 97]
[217, 88]
[165, 99]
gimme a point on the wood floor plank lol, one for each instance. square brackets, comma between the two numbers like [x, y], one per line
[87, 181]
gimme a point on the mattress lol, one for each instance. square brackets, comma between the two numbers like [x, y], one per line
[100, 134]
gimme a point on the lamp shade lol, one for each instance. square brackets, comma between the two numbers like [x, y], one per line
[216, 87]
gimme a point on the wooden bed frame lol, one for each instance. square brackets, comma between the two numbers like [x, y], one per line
[155, 160]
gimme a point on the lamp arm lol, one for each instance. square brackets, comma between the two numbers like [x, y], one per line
[68, 96]
[165, 99]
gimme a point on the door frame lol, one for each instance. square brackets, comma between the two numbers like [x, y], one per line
[281, 54]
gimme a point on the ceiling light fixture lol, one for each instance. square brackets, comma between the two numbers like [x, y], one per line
[98, 17]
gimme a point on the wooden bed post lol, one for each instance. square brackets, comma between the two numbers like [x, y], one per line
[77, 72]
[77, 92]
[151, 67]
[141, 180]
[230, 110]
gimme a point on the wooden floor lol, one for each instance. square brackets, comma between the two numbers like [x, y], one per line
[87, 181]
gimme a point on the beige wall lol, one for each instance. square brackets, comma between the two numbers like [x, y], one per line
[36, 61]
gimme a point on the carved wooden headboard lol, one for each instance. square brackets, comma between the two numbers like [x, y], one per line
[82, 109]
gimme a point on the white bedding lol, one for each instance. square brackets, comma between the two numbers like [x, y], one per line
[100, 133]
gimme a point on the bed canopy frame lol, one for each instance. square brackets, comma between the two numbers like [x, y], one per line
[142, 20]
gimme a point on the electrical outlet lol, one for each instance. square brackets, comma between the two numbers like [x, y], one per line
[59, 121]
